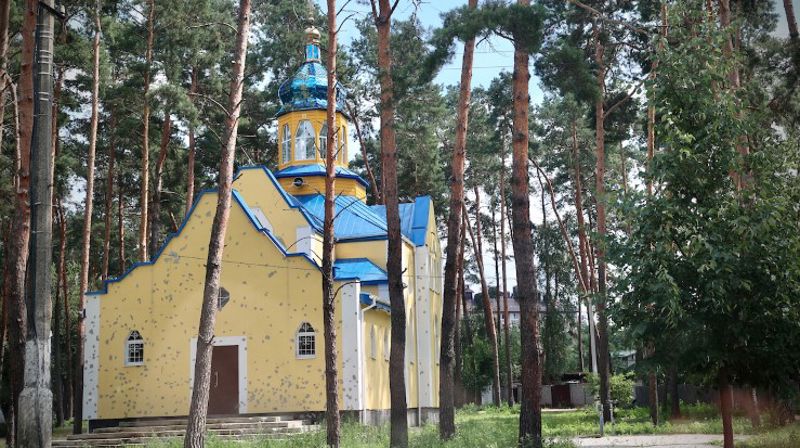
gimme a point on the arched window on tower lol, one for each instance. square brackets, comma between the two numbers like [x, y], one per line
[304, 141]
[134, 349]
[323, 142]
[286, 144]
[306, 344]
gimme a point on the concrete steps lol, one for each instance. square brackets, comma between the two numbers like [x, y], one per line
[143, 432]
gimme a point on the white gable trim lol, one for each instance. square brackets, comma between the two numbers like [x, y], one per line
[241, 342]
[91, 357]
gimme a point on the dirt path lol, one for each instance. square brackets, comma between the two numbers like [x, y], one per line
[654, 441]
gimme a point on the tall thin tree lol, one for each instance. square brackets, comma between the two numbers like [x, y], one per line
[77, 423]
[382, 14]
[20, 228]
[530, 418]
[328, 291]
[144, 183]
[196, 426]
[447, 427]
[506, 323]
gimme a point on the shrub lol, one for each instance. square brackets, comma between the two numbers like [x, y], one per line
[621, 388]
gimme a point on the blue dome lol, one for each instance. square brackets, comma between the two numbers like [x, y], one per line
[308, 88]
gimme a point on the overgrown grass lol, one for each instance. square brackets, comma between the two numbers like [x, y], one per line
[786, 437]
[492, 427]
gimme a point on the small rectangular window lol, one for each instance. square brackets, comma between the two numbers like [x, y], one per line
[134, 349]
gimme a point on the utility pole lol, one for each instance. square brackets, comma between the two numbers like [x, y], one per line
[36, 400]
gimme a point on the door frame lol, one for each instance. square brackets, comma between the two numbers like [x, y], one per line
[241, 342]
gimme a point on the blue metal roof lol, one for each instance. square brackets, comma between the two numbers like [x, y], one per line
[413, 218]
[358, 269]
[354, 219]
[369, 299]
[315, 169]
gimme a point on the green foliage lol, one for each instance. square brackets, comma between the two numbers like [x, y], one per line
[786, 437]
[621, 388]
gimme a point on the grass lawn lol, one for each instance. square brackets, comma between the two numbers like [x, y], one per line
[786, 437]
[497, 428]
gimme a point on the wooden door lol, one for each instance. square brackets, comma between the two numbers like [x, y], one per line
[223, 396]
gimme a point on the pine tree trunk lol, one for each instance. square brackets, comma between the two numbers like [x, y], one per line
[652, 395]
[459, 397]
[600, 174]
[87, 227]
[155, 212]
[506, 323]
[144, 183]
[455, 229]
[530, 418]
[583, 273]
[488, 314]
[462, 286]
[18, 250]
[328, 293]
[5, 14]
[196, 426]
[121, 224]
[112, 150]
[791, 21]
[62, 275]
[394, 265]
[191, 150]
[496, 253]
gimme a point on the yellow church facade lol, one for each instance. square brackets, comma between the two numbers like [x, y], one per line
[141, 328]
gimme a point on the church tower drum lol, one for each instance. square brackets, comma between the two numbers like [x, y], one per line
[303, 130]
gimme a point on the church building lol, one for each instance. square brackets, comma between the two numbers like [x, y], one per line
[141, 328]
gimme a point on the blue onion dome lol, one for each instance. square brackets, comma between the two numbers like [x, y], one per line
[308, 88]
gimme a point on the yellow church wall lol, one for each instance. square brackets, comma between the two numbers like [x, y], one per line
[434, 247]
[375, 251]
[316, 185]
[255, 185]
[376, 369]
[268, 294]
[317, 118]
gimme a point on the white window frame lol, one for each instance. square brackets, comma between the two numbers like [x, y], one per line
[286, 144]
[305, 135]
[134, 339]
[303, 332]
[322, 147]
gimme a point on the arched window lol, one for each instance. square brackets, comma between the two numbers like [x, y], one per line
[134, 349]
[306, 342]
[304, 141]
[223, 297]
[323, 141]
[286, 144]
[373, 349]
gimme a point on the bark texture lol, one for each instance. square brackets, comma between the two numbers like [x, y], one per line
[506, 323]
[791, 21]
[328, 292]
[145, 175]
[530, 418]
[192, 149]
[447, 428]
[87, 225]
[196, 426]
[112, 155]
[382, 13]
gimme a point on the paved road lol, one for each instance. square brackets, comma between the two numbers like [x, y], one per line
[654, 441]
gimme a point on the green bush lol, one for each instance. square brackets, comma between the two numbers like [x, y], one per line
[621, 388]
